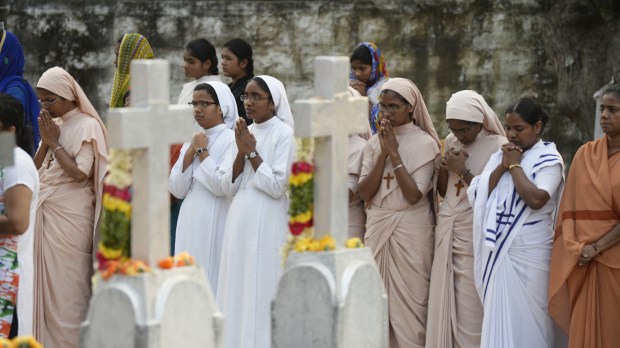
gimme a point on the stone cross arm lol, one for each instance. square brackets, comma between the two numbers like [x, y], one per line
[7, 144]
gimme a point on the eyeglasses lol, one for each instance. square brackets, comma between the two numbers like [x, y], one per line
[45, 104]
[463, 130]
[390, 108]
[252, 97]
[201, 104]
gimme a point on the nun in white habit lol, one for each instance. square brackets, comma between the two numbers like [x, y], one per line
[257, 226]
[198, 177]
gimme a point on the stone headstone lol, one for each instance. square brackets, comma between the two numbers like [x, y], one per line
[330, 299]
[7, 144]
[162, 308]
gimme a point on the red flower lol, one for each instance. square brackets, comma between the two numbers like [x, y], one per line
[296, 228]
[305, 167]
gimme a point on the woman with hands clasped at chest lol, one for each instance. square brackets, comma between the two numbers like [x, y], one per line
[514, 200]
[72, 162]
[257, 222]
[398, 167]
[198, 177]
[455, 310]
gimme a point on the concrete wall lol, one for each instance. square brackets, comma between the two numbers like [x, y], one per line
[498, 48]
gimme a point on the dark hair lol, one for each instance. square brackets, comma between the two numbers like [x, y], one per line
[361, 53]
[613, 90]
[263, 85]
[242, 50]
[12, 114]
[209, 89]
[204, 50]
[530, 111]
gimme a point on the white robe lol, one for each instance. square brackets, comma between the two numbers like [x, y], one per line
[200, 227]
[512, 251]
[256, 229]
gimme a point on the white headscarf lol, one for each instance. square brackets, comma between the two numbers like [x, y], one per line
[470, 106]
[278, 94]
[227, 102]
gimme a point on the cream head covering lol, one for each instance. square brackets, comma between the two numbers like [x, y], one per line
[411, 93]
[61, 83]
[227, 102]
[470, 106]
[278, 94]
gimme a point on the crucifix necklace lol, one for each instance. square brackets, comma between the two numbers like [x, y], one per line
[388, 177]
[49, 163]
[459, 184]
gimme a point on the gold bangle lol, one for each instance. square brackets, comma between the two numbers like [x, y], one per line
[464, 174]
[514, 166]
[398, 166]
[56, 149]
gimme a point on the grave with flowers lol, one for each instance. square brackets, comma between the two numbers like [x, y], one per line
[144, 297]
[331, 293]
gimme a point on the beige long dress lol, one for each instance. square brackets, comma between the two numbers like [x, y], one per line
[454, 310]
[357, 216]
[400, 235]
[65, 220]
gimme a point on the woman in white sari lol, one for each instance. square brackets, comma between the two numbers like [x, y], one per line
[513, 200]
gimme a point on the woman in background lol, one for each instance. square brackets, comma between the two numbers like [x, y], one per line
[19, 195]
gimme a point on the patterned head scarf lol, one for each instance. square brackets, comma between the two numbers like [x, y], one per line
[378, 75]
[12, 76]
[227, 102]
[408, 90]
[379, 68]
[470, 106]
[133, 46]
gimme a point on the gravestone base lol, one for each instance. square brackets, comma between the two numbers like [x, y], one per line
[330, 299]
[162, 308]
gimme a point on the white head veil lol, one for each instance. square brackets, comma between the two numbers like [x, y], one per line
[278, 94]
[227, 102]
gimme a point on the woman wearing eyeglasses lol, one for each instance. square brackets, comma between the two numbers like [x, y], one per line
[257, 223]
[197, 178]
[72, 162]
[476, 134]
[396, 183]
[513, 201]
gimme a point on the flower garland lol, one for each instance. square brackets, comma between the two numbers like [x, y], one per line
[116, 218]
[301, 187]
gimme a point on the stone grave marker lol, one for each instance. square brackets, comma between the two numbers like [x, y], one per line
[162, 308]
[330, 299]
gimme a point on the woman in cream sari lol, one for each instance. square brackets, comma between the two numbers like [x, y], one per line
[72, 161]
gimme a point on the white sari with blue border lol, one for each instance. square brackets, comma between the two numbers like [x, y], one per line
[512, 252]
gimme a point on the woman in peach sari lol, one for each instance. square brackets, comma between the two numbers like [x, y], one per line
[72, 161]
[584, 286]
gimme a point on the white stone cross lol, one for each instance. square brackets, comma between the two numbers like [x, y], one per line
[150, 126]
[7, 144]
[330, 118]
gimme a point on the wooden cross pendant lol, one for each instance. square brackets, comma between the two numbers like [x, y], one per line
[459, 184]
[388, 177]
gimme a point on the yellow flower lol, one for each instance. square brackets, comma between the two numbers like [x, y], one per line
[300, 179]
[109, 253]
[327, 243]
[26, 341]
[315, 245]
[354, 243]
[116, 204]
[302, 244]
[301, 218]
